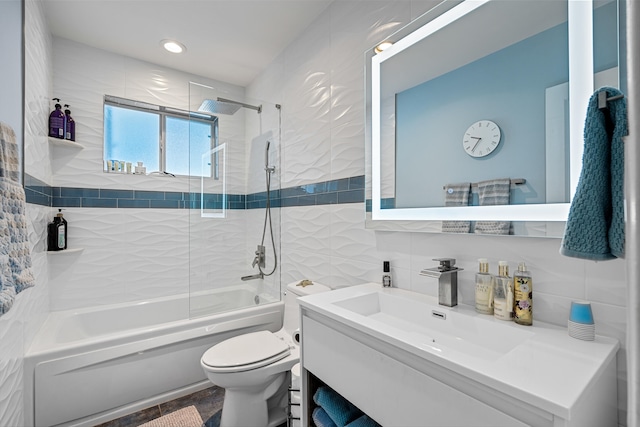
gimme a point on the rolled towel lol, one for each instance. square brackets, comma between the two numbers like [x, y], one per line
[339, 409]
[363, 421]
[321, 418]
[493, 192]
[456, 195]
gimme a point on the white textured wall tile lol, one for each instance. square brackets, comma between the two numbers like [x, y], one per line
[606, 282]
[307, 229]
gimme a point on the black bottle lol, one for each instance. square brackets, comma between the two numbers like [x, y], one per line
[57, 233]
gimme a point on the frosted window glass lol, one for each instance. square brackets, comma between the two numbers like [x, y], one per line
[186, 141]
[132, 136]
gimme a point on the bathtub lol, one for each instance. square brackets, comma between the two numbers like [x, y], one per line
[91, 365]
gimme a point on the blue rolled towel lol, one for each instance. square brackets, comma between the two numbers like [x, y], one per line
[321, 418]
[363, 421]
[339, 409]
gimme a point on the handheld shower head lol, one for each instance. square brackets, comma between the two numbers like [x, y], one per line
[267, 168]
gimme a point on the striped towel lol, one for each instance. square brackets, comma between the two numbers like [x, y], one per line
[493, 192]
[456, 195]
[15, 251]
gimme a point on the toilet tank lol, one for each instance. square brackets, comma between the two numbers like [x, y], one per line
[291, 307]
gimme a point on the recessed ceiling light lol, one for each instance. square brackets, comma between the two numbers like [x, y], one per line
[382, 46]
[173, 46]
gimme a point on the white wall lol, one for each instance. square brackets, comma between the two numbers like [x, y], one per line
[319, 82]
[19, 326]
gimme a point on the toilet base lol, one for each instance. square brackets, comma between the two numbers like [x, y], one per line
[256, 408]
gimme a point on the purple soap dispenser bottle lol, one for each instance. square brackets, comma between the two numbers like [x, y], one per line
[70, 133]
[57, 121]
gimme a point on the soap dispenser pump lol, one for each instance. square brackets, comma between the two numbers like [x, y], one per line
[57, 121]
[57, 233]
[523, 292]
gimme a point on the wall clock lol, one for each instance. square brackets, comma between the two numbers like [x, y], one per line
[481, 138]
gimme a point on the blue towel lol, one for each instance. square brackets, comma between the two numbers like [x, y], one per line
[321, 418]
[339, 409]
[363, 421]
[595, 227]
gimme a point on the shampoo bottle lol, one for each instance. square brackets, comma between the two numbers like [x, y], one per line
[503, 293]
[57, 233]
[484, 288]
[70, 133]
[523, 292]
[57, 121]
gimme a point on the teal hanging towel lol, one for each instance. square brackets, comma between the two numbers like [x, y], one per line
[595, 227]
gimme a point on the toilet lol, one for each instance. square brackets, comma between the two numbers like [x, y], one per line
[253, 368]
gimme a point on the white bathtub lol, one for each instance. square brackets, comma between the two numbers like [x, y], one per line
[91, 365]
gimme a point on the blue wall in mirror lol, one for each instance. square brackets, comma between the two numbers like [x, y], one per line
[507, 87]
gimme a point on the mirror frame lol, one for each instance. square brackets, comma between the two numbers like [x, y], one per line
[580, 35]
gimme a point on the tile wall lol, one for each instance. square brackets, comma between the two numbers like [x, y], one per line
[319, 80]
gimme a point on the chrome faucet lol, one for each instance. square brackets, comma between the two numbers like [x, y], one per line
[252, 277]
[447, 275]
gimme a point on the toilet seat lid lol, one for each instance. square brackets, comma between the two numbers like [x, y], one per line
[244, 352]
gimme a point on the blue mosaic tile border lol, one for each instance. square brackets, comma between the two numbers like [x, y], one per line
[389, 203]
[346, 190]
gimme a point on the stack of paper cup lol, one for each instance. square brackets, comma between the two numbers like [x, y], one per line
[296, 384]
[581, 325]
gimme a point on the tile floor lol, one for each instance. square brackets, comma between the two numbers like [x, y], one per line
[208, 402]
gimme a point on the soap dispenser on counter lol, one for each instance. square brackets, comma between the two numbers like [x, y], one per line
[57, 233]
[523, 292]
[484, 288]
[503, 293]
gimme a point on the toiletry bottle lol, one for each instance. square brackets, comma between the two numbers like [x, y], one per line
[70, 132]
[57, 233]
[523, 293]
[484, 288]
[386, 274]
[57, 121]
[503, 293]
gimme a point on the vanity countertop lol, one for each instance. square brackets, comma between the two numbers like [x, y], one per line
[540, 364]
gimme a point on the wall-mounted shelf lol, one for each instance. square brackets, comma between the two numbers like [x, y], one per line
[64, 143]
[65, 251]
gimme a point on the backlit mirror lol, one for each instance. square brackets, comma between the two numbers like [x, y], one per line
[483, 93]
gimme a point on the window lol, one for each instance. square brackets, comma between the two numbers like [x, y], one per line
[164, 139]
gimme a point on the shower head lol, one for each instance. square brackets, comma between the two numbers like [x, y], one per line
[225, 106]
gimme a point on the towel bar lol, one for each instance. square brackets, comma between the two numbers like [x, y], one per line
[515, 181]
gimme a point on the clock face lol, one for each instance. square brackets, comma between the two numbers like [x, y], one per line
[481, 138]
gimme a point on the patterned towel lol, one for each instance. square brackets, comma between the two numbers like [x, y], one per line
[493, 192]
[15, 252]
[456, 195]
[595, 227]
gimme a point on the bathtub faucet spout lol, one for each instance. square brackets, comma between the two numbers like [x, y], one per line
[252, 277]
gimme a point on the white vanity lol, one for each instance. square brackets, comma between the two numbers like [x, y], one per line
[406, 361]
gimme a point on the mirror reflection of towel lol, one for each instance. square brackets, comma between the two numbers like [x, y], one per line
[493, 192]
[457, 195]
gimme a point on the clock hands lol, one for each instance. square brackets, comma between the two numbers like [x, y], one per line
[476, 144]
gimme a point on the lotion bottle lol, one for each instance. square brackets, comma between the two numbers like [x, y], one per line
[484, 288]
[523, 292]
[503, 293]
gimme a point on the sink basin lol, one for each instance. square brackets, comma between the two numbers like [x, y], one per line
[434, 327]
